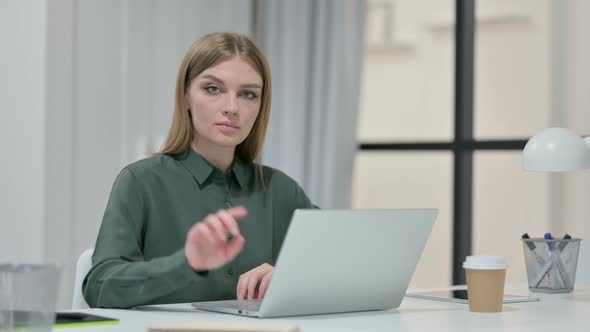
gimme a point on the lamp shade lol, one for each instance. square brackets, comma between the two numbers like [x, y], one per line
[556, 150]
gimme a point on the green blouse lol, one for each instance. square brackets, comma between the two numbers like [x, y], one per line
[139, 254]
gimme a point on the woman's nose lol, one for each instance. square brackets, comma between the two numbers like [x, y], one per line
[231, 106]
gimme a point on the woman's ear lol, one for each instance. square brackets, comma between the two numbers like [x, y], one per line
[186, 105]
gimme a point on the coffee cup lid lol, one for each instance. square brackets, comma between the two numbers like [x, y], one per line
[485, 263]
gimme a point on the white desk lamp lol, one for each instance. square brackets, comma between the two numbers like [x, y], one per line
[556, 150]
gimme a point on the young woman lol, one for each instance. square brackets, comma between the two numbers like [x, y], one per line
[200, 221]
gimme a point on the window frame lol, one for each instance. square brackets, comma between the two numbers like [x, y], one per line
[464, 143]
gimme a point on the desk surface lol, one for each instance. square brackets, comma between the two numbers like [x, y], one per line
[555, 312]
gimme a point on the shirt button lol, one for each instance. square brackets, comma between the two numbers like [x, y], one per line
[228, 204]
[230, 271]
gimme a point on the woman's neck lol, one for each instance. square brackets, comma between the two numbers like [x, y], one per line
[221, 158]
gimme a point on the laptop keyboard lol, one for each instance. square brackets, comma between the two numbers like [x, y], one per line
[246, 305]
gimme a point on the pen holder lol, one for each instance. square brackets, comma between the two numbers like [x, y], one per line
[551, 264]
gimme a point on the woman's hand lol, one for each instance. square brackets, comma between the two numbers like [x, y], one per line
[248, 282]
[207, 246]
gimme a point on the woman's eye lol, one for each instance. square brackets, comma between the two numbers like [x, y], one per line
[249, 95]
[212, 89]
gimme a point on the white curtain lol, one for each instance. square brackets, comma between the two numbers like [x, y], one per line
[110, 69]
[315, 50]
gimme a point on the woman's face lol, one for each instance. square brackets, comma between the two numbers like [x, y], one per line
[224, 101]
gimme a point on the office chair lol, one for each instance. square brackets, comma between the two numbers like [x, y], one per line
[82, 267]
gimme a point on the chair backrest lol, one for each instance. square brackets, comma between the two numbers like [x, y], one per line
[82, 267]
[583, 269]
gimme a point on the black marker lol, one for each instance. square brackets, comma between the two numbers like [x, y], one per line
[530, 244]
[563, 244]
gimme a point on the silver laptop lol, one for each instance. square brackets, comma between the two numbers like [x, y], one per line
[340, 261]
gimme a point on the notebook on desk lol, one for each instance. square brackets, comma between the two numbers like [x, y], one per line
[340, 261]
[23, 319]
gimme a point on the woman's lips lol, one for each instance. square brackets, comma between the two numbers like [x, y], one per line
[227, 128]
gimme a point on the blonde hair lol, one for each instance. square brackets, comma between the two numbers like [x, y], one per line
[206, 52]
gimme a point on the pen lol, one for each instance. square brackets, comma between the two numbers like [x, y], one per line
[546, 266]
[532, 247]
[564, 243]
[560, 266]
[547, 236]
[550, 244]
[559, 263]
[555, 259]
[529, 244]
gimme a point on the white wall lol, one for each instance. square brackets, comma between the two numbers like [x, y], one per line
[571, 191]
[58, 141]
[22, 129]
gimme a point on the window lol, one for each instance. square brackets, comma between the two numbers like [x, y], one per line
[452, 90]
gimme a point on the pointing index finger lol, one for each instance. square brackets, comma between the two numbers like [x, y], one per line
[238, 212]
[229, 221]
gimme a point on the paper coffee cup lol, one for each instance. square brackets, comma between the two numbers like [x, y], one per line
[485, 282]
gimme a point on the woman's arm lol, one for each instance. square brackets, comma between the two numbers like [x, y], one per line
[120, 276]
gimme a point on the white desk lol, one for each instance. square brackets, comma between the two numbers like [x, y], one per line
[555, 312]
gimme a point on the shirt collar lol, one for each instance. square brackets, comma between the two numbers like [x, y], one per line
[201, 169]
[240, 169]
